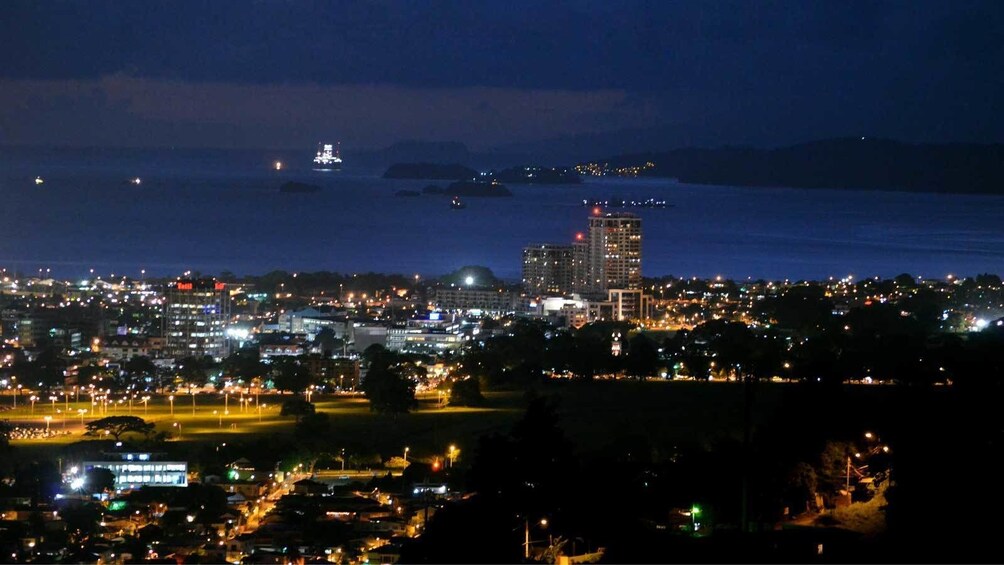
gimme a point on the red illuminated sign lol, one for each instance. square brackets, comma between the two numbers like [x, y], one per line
[202, 285]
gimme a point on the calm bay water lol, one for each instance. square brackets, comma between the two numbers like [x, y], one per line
[216, 210]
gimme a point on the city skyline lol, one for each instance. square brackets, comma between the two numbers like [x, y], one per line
[440, 281]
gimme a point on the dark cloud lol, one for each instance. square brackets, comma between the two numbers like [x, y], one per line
[121, 110]
[755, 72]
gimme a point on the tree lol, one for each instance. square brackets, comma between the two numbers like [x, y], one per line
[377, 354]
[5, 430]
[315, 425]
[117, 426]
[802, 482]
[466, 393]
[93, 374]
[81, 520]
[98, 480]
[530, 472]
[298, 407]
[642, 357]
[290, 375]
[193, 370]
[388, 391]
[244, 364]
[139, 366]
[833, 465]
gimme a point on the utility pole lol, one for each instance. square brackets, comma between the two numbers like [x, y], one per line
[847, 482]
[526, 538]
[747, 436]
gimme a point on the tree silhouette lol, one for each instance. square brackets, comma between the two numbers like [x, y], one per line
[466, 392]
[290, 375]
[388, 391]
[99, 480]
[297, 407]
[117, 426]
[642, 357]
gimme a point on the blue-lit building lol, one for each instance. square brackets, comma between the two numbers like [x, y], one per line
[135, 470]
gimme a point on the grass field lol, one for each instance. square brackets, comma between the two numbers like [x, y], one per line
[594, 415]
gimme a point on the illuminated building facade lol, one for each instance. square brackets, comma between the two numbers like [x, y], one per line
[483, 300]
[547, 269]
[614, 252]
[195, 318]
[135, 470]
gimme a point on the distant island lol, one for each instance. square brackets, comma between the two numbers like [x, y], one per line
[478, 189]
[537, 175]
[429, 171]
[858, 163]
[298, 187]
[534, 174]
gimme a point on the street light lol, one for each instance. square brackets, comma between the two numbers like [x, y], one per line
[47, 420]
[526, 535]
[171, 399]
[406, 454]
[695, 512]
[177, 425]
[81, 411]
[145, 399]
[33, 398]
[215, 412]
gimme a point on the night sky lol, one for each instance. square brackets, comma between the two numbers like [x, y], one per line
[497, 74]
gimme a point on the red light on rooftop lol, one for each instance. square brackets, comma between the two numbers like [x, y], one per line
[596, 211]
[435, 465]
[579, 236]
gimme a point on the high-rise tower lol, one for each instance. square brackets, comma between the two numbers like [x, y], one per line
[195, 318]
[547, 269]
[614, 252]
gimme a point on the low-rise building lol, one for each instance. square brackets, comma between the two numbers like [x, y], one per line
[492, 302]
[421, 336]
[134, 470]
[125, 347]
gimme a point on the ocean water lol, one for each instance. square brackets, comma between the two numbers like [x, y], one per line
[221, 210]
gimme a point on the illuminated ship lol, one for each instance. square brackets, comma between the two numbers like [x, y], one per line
[328, 157]
[456, 204]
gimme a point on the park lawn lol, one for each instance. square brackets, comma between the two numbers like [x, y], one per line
[594, 414]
